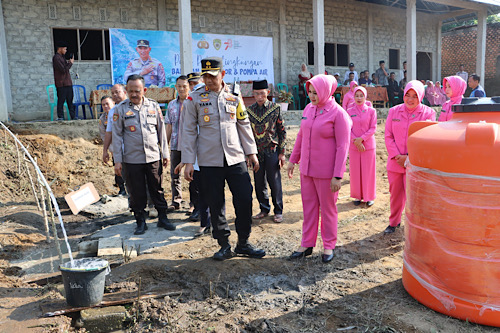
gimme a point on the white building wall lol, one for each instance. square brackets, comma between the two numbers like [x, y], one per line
[30, 45]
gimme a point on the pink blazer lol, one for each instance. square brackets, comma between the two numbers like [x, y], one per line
[323, 141]
[396, 131]
[364, 125]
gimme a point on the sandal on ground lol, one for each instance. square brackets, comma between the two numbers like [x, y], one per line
[260, 216]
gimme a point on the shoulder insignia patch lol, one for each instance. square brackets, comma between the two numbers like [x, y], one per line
[115, 116]
[241, 112]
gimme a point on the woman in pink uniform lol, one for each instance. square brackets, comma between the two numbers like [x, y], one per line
[321, 150]
[349, 96]
[362, 149]
[455, 87]
[396, 135]
[441, 99]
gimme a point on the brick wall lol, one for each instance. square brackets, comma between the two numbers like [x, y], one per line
[30, 46]
[459, 47]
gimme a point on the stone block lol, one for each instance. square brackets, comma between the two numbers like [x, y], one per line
[101, 320]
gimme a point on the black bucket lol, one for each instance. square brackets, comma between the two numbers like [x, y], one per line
[84, 282]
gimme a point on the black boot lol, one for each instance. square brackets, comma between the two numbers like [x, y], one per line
[163, 221]
[141, 223]
[122, 191]
[245, 248]
[225, 250]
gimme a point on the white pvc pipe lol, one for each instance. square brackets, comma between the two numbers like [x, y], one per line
[52, 197]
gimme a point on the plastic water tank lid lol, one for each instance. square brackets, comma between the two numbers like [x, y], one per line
[474, 104]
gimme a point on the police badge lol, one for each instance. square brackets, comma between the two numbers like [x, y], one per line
[217, 44]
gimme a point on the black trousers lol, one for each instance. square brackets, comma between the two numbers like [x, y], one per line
[175, 183]
[65, 94]
[137, 176]
[213, 180]
[269, 171]
[198, 201]
[119, 179]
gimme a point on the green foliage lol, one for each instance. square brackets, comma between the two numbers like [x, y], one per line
[468, 23]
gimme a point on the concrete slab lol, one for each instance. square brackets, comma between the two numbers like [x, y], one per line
[110, 247]
[113, 206]
[105, 319]
[153, 238]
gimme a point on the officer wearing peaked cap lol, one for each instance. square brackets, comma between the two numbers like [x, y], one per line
[195, 80]
[224, 142]
[149, 68]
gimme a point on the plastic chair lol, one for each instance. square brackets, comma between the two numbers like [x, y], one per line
[104, 86]
[296, 99]
[282, 86]
[307, 96]
[52, 97]
[80, 99]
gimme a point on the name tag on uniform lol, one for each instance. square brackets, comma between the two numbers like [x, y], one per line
[304, 117]
[353, 115]
[396, 120]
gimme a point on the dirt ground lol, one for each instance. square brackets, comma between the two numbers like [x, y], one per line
[360, 291]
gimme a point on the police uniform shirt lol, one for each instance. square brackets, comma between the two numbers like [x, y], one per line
[139, 133]
[103, 123]
[224, 129]
[155, 77]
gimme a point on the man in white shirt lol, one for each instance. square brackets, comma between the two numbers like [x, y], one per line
[351, 70]
[463, 74]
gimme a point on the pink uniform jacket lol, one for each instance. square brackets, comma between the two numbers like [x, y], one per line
[364, 124]
[349, 96]
[458, 87]
[397, 125]
[323, 140]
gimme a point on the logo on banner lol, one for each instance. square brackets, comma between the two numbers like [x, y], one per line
[228, 44]
[203, 44]
[217, 44]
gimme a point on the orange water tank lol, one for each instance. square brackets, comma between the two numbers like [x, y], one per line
[452, 230]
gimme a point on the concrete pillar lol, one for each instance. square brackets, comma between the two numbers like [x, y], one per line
[411, 39]
[185, 36]
[481, 45]
[5, 93]
[319, 36]
[162, 15]
[283, 57]
[371, 63]
[438, 52]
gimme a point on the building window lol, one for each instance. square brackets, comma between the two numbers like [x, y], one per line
[394, 58]
[335, 54]
[85, 44]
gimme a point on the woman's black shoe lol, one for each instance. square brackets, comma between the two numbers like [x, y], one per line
[356, 202]
[298, 255]
[326, 258]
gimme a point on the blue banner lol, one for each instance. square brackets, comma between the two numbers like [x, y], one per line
[156, 55]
